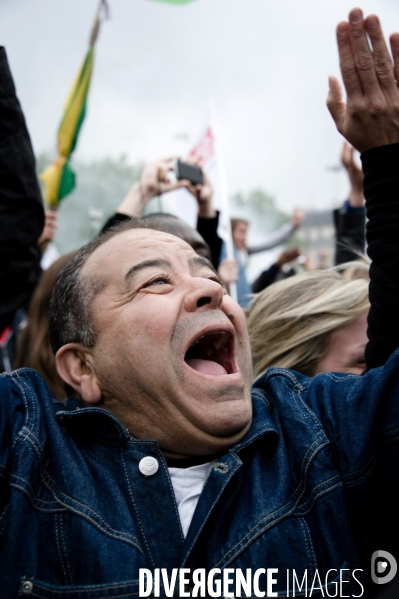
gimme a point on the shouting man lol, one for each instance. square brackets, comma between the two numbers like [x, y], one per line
[164, 462]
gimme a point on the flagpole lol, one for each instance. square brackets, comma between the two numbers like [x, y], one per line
[102, 8]
[223, 188]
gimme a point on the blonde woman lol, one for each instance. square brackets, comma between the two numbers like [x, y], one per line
[312, 322]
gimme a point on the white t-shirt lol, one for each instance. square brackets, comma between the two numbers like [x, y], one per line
[187, 485]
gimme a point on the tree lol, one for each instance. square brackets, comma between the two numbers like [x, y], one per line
[260, 209]
[100, 187]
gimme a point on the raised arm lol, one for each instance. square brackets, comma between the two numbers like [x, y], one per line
[153, 181]
[21, 210]
[350, 219]
[279, 236]
[369, 120]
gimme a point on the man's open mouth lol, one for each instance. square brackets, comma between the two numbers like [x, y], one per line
[212, 353]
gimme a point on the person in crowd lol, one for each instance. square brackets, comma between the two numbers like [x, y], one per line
[277, 271]
[34, 346]
[301, 474]
[49, 230]
[154, 180]
[21, 216]
[350, 219]
[350, 228]
[208, 226]
[11, 338]
[312, 322]
[242, 252]
[239, 229]
[46, 243]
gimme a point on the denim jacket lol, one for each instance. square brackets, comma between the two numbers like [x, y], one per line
[312, 486]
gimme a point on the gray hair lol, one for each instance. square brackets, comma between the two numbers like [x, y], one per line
[70, 306]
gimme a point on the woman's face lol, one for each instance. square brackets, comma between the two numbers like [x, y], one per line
[345, 348]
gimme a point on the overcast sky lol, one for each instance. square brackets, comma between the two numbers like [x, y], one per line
[265, 62]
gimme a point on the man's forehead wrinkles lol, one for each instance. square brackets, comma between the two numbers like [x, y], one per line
[156, 263]
[137, 241]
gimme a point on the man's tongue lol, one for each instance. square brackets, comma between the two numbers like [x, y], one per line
[206, 366]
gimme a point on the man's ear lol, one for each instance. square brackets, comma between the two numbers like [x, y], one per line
[73, 362]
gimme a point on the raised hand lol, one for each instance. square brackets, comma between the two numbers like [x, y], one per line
[370, 117]
[228, 271]
[202, 193]
[288, 255]
[297, 218]
[154, 180]
[355, 176]
[49, 229]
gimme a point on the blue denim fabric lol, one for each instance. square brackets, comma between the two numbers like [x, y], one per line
[313, 485]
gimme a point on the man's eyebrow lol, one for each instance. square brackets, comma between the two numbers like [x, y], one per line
[131, 273]
[196, 261]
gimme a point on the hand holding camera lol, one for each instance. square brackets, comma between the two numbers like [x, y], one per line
[195, 180]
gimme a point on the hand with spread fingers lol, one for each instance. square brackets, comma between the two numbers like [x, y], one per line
[370, 117]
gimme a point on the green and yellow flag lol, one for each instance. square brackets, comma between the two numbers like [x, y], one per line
[59, 178]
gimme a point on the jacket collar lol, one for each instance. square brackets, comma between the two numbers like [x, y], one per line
[98, 423]
[262, 424]
[92, 423]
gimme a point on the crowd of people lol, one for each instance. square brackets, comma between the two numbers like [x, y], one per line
[148, 420]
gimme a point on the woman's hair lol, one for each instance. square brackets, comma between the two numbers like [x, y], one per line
[290, 322]
[34, 347]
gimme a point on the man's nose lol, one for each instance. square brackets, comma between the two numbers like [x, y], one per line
[203, 294]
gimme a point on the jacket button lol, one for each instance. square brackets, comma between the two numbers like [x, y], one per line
[26, 587]
[148, 466]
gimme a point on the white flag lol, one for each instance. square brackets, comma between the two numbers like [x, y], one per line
[207, 149]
